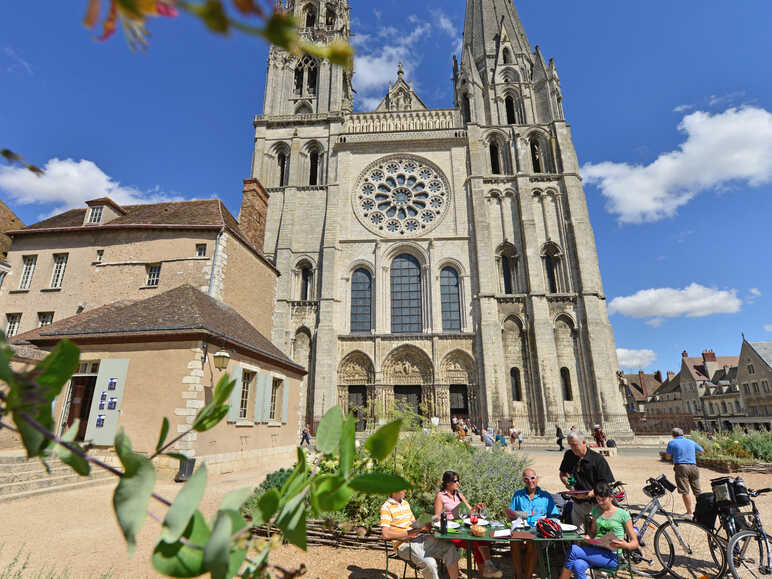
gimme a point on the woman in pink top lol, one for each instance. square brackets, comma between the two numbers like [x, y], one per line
[448, 499]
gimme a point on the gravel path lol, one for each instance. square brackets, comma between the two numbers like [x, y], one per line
[76, 530]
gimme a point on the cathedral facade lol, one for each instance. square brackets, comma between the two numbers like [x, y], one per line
[440, 257]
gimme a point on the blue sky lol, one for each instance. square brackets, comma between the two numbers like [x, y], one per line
[668, 101]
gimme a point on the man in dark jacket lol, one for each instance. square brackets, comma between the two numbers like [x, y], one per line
[559, 436]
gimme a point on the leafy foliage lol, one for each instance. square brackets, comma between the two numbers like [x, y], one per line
[737, 446]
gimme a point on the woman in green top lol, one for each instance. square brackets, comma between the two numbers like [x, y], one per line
[606, 517]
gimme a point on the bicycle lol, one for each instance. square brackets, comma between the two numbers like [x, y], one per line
[644, 560]
[748, 551]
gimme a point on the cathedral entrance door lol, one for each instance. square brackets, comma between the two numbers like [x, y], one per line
[459, 400]
[408, 398]
[357, 403]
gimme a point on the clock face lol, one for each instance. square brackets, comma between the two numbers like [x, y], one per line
[401, 196]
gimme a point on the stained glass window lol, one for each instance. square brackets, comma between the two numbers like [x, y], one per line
[450, 299]
[361, 301]
[405, 295]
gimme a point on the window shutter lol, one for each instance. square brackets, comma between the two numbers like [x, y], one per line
[260, 396]
[267, 398]
[233, 411]
[285, 388]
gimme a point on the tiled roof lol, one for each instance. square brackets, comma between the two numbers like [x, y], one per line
[696, 365]
[764, 350]
[669, 386]
[634, 384]
[8, 221]
[182, 309]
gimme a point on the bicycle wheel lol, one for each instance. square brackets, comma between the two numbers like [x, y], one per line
[644, 560]
[696, 552]
[749, 555]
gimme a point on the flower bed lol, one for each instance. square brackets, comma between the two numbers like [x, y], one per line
[729, 465]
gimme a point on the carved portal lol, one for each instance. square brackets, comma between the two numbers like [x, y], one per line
[356, 368]
[407, 365]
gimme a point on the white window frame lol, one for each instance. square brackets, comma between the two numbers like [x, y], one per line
[28, 271]
[246, 383]
[201, 250]
[57, 275]
[95, 214]
[45, 319]
[12, 325]
[153, 275]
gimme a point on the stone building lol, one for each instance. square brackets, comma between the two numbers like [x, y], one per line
[442, 257]
[754, 377]
[695, 375]
[636, 389]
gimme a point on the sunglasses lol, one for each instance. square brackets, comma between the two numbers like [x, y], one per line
[530, 478]
[455, 480]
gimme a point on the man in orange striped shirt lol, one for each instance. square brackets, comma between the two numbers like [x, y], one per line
[415, 545]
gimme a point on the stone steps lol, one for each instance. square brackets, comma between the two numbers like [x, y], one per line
[21, 478]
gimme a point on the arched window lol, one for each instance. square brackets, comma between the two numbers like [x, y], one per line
[552, 280]
[310, 15]
[466, 108]
[450, 300]
[361, 301]
[313, 167]
[510, 104]
[507, 55]
[283, 165]
[517, 390]
[565, 381]
[306, 282]
[299, 79]
[495, 161]
[329, 18]
[311, 76]
[508, 269]
[540, 156]
[304, 109]
[405, 295]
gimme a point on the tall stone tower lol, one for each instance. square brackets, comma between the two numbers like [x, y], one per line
[441, 258]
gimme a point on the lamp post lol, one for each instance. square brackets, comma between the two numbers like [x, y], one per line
[221, 359]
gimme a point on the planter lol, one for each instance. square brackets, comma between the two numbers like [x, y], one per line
[728, 466]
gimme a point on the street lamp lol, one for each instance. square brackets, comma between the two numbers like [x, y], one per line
[221, 359]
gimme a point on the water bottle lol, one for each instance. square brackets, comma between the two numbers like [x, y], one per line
[443, 523]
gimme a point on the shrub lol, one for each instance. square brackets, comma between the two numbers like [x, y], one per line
[759, 444]
[736, 445]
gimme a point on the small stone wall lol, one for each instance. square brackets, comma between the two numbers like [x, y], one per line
[729, 466]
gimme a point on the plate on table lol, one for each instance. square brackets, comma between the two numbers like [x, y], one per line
[481, 522]
[567, 528]
[451, 524]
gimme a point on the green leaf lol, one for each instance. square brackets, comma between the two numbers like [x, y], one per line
[133, 491]
[222, 391]
[213, 14]
[208, 420]
[237, 555]
[280, 30]
[329, 492]
[266, 507]
[55, 369]
[77, 462]
[292, 521]
[297, 479]
[178, 560]
[184, 506]
[6, 375]
[378, 483]
[163, 434]
[234, 499]
[329, 431]
[382, 441]
[347, 442]
[176, 456]
[217, 549]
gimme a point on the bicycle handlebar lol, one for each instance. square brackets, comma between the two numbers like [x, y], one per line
[758, 492]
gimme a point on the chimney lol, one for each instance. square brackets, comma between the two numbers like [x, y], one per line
[684, 354]
[642, 382]
[710, 362]
[670, 375]
[254, 209]
[658, 376]
[708, 356]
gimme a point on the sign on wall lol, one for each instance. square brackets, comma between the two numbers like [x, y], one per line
[106, 403]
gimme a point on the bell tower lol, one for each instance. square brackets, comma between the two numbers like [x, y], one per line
[306, 84]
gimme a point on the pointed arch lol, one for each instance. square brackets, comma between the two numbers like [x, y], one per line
[361, 301]
[304, 108]
[309, 15]
[513, 106]
[498, 150]
[506, 258]
[408, 365]
[281, 153]
[356, 368]
[406, 294]
[301, 347]
[506, 55]
[304, 274]
[554, 267]
[450, 299]
[541, 156]
[315, 154]
[329, 16]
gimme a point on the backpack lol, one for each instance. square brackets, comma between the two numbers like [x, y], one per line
[705, 511]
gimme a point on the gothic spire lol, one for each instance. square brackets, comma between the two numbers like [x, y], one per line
[486, 20]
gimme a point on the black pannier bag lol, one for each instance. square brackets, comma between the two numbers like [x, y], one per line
[706, 512]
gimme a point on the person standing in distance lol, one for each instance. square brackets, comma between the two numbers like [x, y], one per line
[585, 468]
[559, 436]
[683, 452]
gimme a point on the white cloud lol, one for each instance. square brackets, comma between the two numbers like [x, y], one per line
[768, 327]
[719, 150]
[755, 292]
[376, 63]
[17, 62]
[67, 183]
[683, 108]
[635, 359]
[693, 301]
[716, 100]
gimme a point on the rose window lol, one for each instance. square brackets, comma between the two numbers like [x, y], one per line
[399, 196]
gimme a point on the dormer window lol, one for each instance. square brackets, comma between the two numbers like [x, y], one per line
[95, 215]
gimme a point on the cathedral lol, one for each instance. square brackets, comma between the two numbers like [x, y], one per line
[440, 258]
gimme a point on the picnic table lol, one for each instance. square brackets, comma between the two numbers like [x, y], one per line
[464, 534]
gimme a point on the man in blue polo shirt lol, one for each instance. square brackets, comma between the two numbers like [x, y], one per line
[532, 501]
[683, 452]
